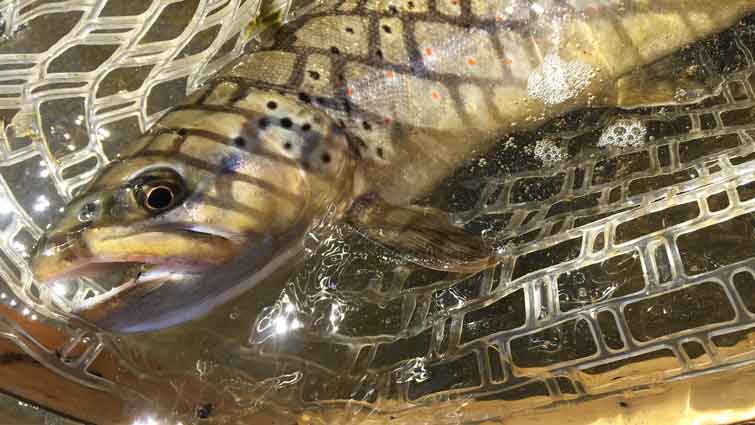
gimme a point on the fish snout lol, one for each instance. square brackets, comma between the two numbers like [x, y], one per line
[54, 254]
[60, 248]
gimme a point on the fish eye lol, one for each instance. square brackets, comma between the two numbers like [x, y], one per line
[159, 198]
[158, 190]
[87, 212]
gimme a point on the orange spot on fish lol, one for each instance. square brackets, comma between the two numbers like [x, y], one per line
[428, 51]
[386, 120]
[435, 95]
[499, 18]
[472, 61]
[389, 74]
[593, 10]
[507, 61]
[349, 91]
[454, 1]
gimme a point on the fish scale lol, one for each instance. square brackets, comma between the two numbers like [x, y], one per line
[259, 160]
[408, 82]
[517, 343]
[469, 321]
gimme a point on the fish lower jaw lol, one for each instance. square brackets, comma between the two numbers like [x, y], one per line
[118, 276]
[93, 301]
[155, 275]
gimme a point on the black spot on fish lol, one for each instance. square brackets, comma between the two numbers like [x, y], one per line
[350, 30]
[379, 53]
[393, 9]
[263, 123]
[417, 67]
[411, 5]
[325, 158]
[271, 105]
[304, 97]
[286, 122]
[314, 75]
[380, 154]
[387, 29]
[239, 142]
[306, 127]
[341, 77]
[287, 146]
[366, 125]
[334, 50]
[347, 106]
[230, 164]
[204, 411]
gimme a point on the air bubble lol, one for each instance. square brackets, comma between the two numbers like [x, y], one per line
[549, 153]
[624, 134]
[557, 81]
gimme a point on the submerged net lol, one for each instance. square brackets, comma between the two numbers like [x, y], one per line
[80, 79]
[630, 237]
[630, 234]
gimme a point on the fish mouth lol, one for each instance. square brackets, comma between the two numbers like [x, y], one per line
[122, 279]
[115, 278]
[117, 274]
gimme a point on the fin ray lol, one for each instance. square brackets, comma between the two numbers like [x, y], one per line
[424, 235]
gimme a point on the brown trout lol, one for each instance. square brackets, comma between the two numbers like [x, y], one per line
[356, 109]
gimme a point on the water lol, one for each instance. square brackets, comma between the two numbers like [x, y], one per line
[630, 278]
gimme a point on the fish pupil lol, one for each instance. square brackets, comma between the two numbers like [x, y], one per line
[87, 212]
[160, 198]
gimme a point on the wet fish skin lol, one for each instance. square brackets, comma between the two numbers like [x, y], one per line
[437, 81]
[375, 99]
[247, 186]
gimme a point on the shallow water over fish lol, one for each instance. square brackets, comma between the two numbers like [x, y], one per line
[629, 235]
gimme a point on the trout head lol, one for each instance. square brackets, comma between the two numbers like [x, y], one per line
[201, 209]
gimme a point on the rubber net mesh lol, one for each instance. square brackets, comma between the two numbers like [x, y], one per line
[630, 234]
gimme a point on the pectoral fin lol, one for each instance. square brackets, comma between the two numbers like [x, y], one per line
[677, 79]
[424, 235]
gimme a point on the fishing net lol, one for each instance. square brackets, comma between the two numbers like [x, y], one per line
[80, 79]
[629, 237]
[629, 234]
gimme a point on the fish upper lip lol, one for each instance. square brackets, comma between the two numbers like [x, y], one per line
[59, 258]
[54, 258]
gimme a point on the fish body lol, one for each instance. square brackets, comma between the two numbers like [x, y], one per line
[357, 109]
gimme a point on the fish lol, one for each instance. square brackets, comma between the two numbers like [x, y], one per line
[357, 109]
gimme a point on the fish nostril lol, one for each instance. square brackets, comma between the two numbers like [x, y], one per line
[39, 247]
[48, 242]
[87, 212]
